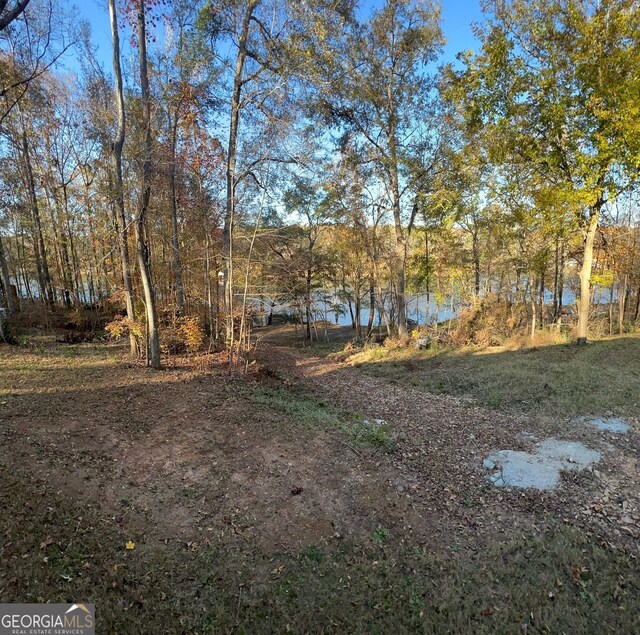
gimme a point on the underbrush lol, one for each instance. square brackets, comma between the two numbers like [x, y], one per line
[36, 316]
[102, 321]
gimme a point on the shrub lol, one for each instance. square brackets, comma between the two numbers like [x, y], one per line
[182, 335]
[191, 332]
[122, 326]
[396, 342]
[489, 322]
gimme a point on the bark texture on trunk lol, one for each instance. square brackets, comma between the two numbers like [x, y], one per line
[584, 302]
[175, 239]
[398, 271]
[40, 253]
[120, 215]
[400, 258]
[153, 339]
[622, 301]
[5, 287]
[372, 307]
[476, 260]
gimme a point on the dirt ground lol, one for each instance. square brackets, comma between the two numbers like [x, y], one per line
[188, 501]
[442, 440]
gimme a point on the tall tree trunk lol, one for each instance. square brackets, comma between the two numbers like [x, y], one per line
[272, 305]
[307, 303]
[382, 309]
[219, 300]
[401, 241]
[561, 279]
[358, 311]
[532, 304]
[175, 241]
[377, 285]
[585, 272]
[5, 287]
[120, 217]
[541, 296]
[612, 287]
[153, 339]
[427, 263]
[229, 216]
[4, 313]
[94, 270]
[40, 253]
[372, 307]
[352, 316]
[207, 281]
[475, 247]
[556, 271]
[489, 252]
[398, 273]
[69, 294]
[77, 287]
[21, 269]
[53, 220]
[622, 300]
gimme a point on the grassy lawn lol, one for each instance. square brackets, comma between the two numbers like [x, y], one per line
[564, 379]
[558, 581]
[256, 506]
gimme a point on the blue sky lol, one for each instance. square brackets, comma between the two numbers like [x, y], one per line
[457, 17]
[95, 12]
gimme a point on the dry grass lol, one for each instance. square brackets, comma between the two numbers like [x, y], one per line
[556, 380]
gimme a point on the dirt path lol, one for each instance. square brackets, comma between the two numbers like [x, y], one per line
[442, 441]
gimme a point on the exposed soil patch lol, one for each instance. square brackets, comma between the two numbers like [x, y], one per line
[184, 449]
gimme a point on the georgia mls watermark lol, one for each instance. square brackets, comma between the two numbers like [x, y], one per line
[47, 619]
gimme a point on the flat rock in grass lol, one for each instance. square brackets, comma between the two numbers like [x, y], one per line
[522, 469]
[539, 469]
[613, 424]
[375, 423]
[572, 454]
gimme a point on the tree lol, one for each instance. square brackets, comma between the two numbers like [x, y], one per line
[385, 99]
[238, 21]
[185, 73]
[557, 83]
[144, 196]
[306, 200]
[118, 143]
[9, 13]
[34, 34]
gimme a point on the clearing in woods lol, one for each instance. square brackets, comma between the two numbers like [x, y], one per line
[186, 501]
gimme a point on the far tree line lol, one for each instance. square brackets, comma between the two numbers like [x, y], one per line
[233, 157]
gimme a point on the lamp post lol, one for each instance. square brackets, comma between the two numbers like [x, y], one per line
[220, 283]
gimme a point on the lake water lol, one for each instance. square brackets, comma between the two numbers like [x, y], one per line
[420, 308]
